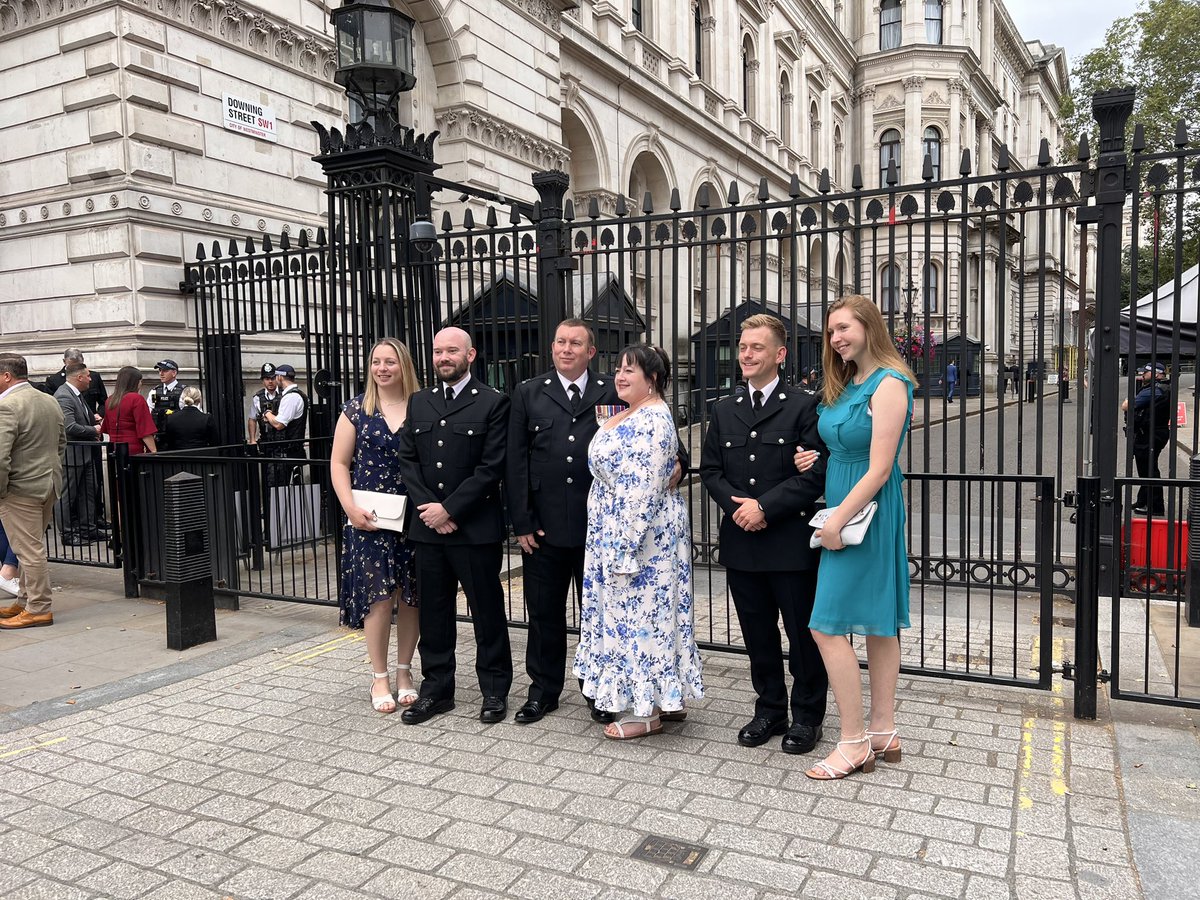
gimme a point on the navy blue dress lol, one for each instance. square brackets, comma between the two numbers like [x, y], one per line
[374, 563]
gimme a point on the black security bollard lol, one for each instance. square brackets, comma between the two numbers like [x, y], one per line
[187, 568]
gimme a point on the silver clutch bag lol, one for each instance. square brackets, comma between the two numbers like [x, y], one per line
[853, 531]
[389, 509]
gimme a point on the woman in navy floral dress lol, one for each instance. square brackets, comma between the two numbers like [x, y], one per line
[378, 574]
[637, 647]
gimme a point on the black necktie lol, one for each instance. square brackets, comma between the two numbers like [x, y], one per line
[758, 401]
[449, 394]
[575, 397]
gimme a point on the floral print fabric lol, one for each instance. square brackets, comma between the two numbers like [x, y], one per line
[374, 563]
[637, 646]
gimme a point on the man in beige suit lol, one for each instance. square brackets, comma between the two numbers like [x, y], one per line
[32, 440]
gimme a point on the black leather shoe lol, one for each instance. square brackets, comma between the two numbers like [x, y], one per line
[802, 738]
[424, 709]
[760, 729]
[494, 710]
[603, 716]
[534, 710]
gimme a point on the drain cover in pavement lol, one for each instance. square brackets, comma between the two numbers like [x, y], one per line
[669, 852]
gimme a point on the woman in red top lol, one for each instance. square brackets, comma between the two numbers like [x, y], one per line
[127, 418]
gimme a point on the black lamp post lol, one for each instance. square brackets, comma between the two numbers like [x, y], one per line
[374, 56]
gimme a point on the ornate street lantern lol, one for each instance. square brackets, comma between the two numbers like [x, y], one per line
[374, 54]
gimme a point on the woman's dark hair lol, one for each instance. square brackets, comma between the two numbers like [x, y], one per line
[129, 379]
[652, 361]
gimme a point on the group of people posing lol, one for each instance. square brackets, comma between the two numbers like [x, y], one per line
[588, 466]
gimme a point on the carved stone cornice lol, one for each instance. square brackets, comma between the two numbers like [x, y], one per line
[606, 200]
[914, 83]
[955, 86]
[547, 12]
[240, 24]
[468, 123]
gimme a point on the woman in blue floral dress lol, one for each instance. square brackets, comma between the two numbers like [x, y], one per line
[378, 573]
[637, 647]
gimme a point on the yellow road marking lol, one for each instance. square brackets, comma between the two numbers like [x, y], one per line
[39, 746]
[320, 650]
[1058, 783]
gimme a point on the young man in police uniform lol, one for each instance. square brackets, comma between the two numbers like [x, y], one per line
[747, 466]
[283, 434]
[164, 399]
[452, 461]
[265, 399]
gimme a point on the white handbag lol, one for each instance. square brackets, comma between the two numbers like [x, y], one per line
[389, 509]
[853, 531]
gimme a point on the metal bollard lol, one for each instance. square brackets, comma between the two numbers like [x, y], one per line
[1193, 563]
[187, 568]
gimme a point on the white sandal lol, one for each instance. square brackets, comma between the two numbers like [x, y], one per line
[828, 772]
[650, 725]
[402, 694]
[385, 703]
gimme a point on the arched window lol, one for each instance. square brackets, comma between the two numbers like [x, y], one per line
[698, 39]
[931, 287]
[889, 151]
[636, 15]
[933, 21]
[785, 109]
[814, 135]
[932, 147]
[890, 24]
[889, 295]
[749, 67]
[839, 155]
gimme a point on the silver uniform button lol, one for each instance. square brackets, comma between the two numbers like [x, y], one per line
[570, 459]
[728, 444]
[571, 438]
[754, 434]
[439, 465]
[781, 440]
[469, 432]
[753, 481]
[570, 481]
[440, 485]
[442, 423]
[440, 443]
[751, 457]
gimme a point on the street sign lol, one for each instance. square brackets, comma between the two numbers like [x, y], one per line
[247, 117]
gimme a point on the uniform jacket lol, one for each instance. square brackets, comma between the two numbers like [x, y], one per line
[750, 454]
[78, 425]
[32, 440]
[191, 429]
[1153, 412]
[95, 396]
[454, 455]
[547, 471]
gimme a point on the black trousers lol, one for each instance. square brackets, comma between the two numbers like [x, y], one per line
[1151, 497]
[760, 599]
[548, 575]
[441, 568]
[76, 508]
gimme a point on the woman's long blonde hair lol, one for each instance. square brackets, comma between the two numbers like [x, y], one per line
[879, 345]
[408, 374]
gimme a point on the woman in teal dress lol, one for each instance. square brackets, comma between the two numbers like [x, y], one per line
[862, 589]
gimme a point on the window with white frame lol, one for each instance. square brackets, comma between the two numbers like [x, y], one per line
[933, 21]
[932, 147]
[889, 294]
[931, 287]
[890, 24]
[889, 151]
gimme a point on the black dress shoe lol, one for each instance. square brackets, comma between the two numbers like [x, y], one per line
[534, 710]
[424, 709]
[603, 716]
[802, 738]
[494, 710]
[760, 729]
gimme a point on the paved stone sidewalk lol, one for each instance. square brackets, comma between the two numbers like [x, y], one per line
[271, 778]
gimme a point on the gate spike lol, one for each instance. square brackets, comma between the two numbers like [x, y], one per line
[200, 251]
[824, 185]
[734, 196]
[927, 168]
[321, 239]
[569, 210]
[593, 207]
[893, 176]
[492, 221]
[622, 206]
[216, 249]
[1003, 163]
[268, 246]
[302, 239]
[447, 222]
[1044, 158]
[856, 179]
[1139, 138]
[794, 186]
[514, 215]
[1181, 135]
[537, 212]
[233, 247]
[249, 245]
[763, 194]
[285, 242]
[1085, 152]
[468, 220]
[702, 200]
[964, 165]
[647, 203]
[676, 205]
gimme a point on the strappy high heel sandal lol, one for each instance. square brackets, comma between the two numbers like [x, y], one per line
[385, 703]
[890, 751]
[825, 771]
[405, 696]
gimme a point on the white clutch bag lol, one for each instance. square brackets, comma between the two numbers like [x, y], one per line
[389, 509]
[853, 531]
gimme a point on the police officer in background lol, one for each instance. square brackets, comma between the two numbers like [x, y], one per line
[96, 393]
[164, 399]
[1152, 414]
[265, 399]
[452, 461]
[747, 466]
[283, 432]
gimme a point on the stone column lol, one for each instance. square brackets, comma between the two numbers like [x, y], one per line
[911, 152]
[952, 152]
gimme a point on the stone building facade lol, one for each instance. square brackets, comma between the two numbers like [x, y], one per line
[117, 162]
